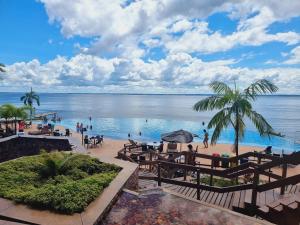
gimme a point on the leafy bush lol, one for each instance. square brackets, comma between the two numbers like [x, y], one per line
[219, 182]
[63, 182]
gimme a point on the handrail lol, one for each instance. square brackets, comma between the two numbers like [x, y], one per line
[257, 169]
[278, 183]
[276, 161]
[210, 157]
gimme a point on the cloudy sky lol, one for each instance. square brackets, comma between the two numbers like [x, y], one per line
[148, 46]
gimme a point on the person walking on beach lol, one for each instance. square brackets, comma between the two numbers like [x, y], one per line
[205, 140]
[81, 128]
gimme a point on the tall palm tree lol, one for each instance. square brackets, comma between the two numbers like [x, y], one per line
[29, 99]
[234, 105]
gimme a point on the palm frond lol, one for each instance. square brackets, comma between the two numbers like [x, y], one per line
[37, 99]
[262, 86]
[263, 127]
[2, 68]
[242, 105]
[220, 121]
[212, 102]
[220, 87]
[241, 127]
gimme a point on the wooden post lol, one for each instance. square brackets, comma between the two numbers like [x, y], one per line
[284, 172]
[158, 175]
[198, 184]
[211, 173]
[150, 166]
[258, 159]
[254, 188]
[185, 162]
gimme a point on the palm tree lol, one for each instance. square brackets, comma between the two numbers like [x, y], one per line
[235, 105]
[9, 111]
[6, 112]
[19, 113]
[29, 99]
[2, 68]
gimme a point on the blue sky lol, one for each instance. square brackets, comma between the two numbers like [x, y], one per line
[163, 46]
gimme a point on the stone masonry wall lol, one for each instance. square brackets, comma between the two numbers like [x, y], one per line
[14, 147]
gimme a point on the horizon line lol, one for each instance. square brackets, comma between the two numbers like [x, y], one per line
[124, 93]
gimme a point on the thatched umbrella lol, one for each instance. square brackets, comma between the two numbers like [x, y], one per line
[178, 136]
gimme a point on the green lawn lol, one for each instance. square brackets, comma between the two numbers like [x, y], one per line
[58, 181]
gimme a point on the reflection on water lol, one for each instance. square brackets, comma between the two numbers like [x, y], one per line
[164, 208]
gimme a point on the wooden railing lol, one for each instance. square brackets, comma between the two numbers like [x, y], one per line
[257, 166]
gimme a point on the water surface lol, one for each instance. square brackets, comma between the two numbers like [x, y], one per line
[117, 115]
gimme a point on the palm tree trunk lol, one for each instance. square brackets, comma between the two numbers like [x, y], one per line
[236, 143]
[6, 125]
[30, 114]
[15, 125]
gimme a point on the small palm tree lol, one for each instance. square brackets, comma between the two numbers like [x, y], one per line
[9, 111]
[6, 112]
[234, 106]
[20, 113]
[28, 99]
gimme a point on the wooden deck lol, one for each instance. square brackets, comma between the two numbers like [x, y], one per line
[231, 200]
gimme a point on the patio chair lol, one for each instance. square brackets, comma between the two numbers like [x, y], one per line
[68, 133]
[132, 145]
[87, 142]
[99, 139]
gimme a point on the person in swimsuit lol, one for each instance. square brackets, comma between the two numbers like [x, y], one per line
[205, 140]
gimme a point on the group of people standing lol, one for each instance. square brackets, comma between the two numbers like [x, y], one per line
[80, 127]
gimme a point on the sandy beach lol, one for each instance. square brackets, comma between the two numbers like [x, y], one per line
[110, 148]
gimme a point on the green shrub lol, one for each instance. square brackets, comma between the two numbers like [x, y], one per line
[219, 182]
[58, 181]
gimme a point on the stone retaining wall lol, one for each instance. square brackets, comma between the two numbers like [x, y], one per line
[15, 146]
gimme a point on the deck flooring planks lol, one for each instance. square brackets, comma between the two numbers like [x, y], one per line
[204, 195]
[242, 199]
[187, 191]
[188, 194]
[194, 194]
[219, 198]
[228, 199]
[223, 200]
[236, 198]
[209, 197]
[183, 190]
[214, 198]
